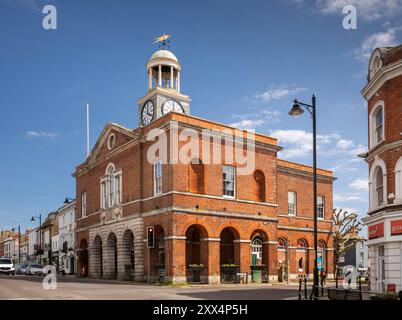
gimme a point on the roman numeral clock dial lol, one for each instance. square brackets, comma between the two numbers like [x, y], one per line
[172, 105]
[147, 113]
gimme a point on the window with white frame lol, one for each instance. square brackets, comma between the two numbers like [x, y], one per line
[103, 195]
[282, 244]
[398, 181]
[292, 198]
[301, 245]
[320, 207]
[111, 188]
[118, 189]
[378, 126]
[256, 247]
[158, 177]
[379, 186]
[83, 205]
[229, 181]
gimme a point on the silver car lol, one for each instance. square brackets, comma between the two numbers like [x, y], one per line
[35, 269]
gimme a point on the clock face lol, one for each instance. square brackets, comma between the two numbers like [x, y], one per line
[172, 105]
[147, 113]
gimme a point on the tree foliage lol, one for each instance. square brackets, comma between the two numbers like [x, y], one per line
[346, 229]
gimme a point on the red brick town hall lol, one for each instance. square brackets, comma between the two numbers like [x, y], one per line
[211, 218]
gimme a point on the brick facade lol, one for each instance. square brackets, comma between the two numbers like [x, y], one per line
[198, 231]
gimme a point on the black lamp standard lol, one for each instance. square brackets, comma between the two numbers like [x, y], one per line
[295, 112]
[33, 219]
[19, 243]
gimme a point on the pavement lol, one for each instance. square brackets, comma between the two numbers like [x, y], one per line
[31, 288]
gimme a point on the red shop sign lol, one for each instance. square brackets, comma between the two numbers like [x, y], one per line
[396, 227]
[376, 231]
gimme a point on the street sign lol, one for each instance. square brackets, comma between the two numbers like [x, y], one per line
[150, 237]
[319, 263]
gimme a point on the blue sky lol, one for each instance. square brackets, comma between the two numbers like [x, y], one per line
[243, 63]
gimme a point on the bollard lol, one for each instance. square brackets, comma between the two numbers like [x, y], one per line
[300, 287]
[322, 288]
[305, 287]
[336, 281]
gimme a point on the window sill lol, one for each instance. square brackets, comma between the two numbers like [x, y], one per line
[228, 197]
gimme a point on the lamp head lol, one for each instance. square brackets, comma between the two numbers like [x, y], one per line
[33, 219]
[66, 201]
[296, 110]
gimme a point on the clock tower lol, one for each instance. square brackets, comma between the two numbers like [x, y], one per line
[163, 95]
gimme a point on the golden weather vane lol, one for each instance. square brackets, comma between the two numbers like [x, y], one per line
[163, 39]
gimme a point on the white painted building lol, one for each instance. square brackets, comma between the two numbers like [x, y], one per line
[32, 242]
[384, 157]
[66, 241]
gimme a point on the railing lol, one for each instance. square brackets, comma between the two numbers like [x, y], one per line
[228, 273]
[348, 293]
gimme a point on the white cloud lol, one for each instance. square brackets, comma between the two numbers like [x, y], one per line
[255, 120]
[299, 143]
[359, 184]
[40, 134]
[248, 124]
[380, 39]
[366, 9]
[278, 93]
[344, 144]
[340, 198]
[28, 4]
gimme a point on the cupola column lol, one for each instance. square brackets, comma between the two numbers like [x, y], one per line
[171, 77]
[159, 75]
[178, 81]
[149, 78]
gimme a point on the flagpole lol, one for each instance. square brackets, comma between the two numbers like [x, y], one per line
[87, 129]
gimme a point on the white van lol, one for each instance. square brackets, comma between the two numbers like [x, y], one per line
[7, 266]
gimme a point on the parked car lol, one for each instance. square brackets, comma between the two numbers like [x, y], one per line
[22, 269]
[7, 266]
[35, 269]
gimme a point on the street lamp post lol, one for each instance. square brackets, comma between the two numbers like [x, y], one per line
[297, 111]
[19, 244]
[33, 219]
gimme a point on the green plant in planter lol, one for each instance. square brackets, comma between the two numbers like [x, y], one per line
[196, 266]
[385, 296]
[229, 265]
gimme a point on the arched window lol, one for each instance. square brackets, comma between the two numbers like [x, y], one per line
[377, 124]
[111, 187]
[398, 181]
[256, 247]
[375, 63]
[282, 244]
[259, 179]
[379, 187]
[302, 245]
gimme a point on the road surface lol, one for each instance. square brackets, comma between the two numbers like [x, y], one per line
[30, 287]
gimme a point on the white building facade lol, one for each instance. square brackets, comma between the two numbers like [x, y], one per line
[384, 157]
[32, 244]
[66, 238]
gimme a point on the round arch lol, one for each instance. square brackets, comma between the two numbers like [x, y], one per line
[83, 258]
[96, 262]
[378, 163]
[110, 257]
